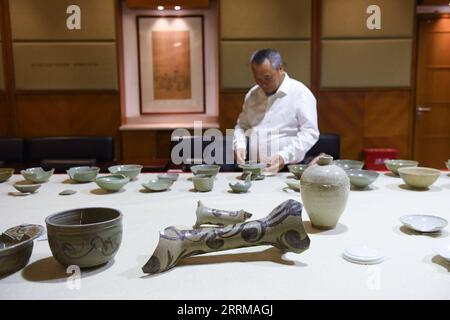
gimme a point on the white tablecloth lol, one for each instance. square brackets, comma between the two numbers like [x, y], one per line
[411, 269]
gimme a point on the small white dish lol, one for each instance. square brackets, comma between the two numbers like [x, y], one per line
[424, 223]
[443, 249]
[363, 255]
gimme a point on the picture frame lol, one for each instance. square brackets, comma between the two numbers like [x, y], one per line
[171, 64]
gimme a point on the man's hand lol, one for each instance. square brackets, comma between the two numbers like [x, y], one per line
[275, 164]
[240, 155]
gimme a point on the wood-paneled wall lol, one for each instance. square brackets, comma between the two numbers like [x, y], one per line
[68, 104]
[367, 119]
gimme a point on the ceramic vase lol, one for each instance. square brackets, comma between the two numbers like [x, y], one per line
[324, 190]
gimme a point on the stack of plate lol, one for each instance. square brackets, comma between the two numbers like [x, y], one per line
[363, 255]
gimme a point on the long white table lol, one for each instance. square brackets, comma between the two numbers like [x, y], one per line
[411, 269]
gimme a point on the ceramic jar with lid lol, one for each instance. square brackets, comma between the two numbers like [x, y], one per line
[324, 190]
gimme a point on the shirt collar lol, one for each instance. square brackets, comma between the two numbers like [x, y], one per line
[283, 89]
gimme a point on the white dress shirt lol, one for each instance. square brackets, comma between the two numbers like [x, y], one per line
[286, 121]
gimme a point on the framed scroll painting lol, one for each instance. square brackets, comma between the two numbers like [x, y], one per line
[171, 64]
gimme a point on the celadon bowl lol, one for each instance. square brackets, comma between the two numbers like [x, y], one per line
[239, 187]
[293, 184]
[203, 183]
[26, 187]
[158, 184]
[361, 178]
[255, 169]
[169, 176]
[37, 175]
[85, 237]
[6, 173]
[129, 170]
[395, 164]
[113, 182]
[349, 164]
[419, 177]
[297, 169]
[16, 246]
[83, 174]
[205, 169]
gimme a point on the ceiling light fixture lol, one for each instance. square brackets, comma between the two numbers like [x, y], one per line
[177, 8]
[160, 8]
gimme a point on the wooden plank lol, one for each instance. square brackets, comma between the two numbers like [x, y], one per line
[68, 114]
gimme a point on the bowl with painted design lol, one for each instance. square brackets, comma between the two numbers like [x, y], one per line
[85, 237]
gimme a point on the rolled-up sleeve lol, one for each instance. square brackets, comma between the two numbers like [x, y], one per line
[308, 133]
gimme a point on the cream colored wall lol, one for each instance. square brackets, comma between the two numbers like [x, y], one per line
[254, 24]
[265, 19]
[63, 66]
[366, 63]
[235, 61]
[354, 56]
[48, 56]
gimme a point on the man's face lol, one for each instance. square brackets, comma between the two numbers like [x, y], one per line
[266, 77]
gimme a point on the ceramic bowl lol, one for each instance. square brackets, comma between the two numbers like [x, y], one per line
[424, 223]
[394, 165]
[447, 164]
[26, 187]
[37, 175]
[158, 184]
[293, 184]
[16, 246]
[239, 187]
[419, 177]
[205, 169]
[128, 170]
[83, 174]
[297, 169]
[85, 237]
[349, 164]
[362, 178]
[203, 183]
[169, 176]
[6, 173]
[112, 182]
[254, 168]
[443, 249]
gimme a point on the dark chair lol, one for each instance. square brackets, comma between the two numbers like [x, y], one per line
[327, 143]
[222, 153]
[62, 153]
[11, 152]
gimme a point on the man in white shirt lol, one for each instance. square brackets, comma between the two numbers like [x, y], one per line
[279, 108]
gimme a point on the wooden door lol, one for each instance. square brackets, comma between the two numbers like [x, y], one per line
[432, 116]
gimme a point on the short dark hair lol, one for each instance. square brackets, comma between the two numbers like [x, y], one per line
[274, 57]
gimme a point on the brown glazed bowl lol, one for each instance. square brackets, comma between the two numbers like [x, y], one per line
[6, 173]
[86, 237]
[16, 246]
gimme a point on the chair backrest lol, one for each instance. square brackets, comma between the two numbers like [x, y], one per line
[98, 148]
[327, 143]
[11, 150]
